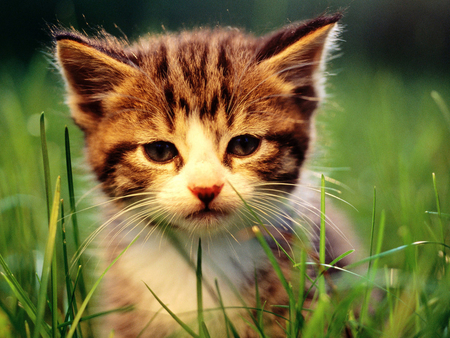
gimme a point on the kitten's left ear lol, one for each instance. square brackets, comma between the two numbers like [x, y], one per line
[297, 53]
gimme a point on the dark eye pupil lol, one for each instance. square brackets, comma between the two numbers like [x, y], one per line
[243, 145]
[161, 151]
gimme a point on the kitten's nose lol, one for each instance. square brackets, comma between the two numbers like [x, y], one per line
[206, 195]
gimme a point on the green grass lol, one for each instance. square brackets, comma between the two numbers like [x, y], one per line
[382, 129]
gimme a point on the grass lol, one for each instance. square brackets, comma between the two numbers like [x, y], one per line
[391, 130]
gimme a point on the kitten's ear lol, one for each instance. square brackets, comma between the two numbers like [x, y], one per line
[297, 53]
[91, 71]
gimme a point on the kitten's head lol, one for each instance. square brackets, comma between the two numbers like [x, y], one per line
[176, 124]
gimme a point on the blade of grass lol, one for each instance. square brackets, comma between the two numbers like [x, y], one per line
[91, 292]
[96, 315]
[365, 304]
[173, 315]
[48, 255]
[46, 164]
[340, 257]
[198, 274]
[300, 320]
[272, 259]
[224, 277]
[441, 224]
[74, 218]
[54, 291]
[27, 305]
[315, 327]
[259, 316]
[149, 322]
[53, 271]
[322, 240]
[279, 273]
[395, 250]
[71, 308]
[228, 323]
[204, 331]
[436, 213]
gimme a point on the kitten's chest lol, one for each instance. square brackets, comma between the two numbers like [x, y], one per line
[170, 272]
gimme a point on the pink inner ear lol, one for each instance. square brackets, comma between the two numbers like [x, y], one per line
[206, 194]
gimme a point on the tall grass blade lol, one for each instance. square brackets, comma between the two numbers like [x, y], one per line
[148, 323]
[72, 306]
[273, 260]
[322, 240]
[198, 274]
[315, 327]
[46, 164]
[91, 292]
[441, 224]
[173, 315]
[54, 277]
[259, 307]
[48, 259]
[365, 304]
[99, 314]
[204, 331]
[54, 288]
[26, 303]
[395, 250]
[73, 210]
[228, 324]
[300, 320]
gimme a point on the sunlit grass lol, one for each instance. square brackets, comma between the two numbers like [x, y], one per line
[382, 130]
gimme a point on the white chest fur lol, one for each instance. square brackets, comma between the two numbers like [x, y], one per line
[171, 275]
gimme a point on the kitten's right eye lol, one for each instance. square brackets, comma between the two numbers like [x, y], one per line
[161, 151]
[243, 145]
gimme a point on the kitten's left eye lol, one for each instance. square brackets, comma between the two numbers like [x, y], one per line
[243, 145]
[161, 151]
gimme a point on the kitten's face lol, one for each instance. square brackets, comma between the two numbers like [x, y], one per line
[176, 125]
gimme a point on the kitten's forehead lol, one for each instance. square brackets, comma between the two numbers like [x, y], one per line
[196, 74]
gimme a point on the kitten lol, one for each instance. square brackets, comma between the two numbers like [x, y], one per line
[178, 128]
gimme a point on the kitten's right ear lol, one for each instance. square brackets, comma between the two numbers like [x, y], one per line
[297, 54]
[91, 73]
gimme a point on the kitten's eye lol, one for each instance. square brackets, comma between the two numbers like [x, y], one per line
[161, 151]
[243, 145]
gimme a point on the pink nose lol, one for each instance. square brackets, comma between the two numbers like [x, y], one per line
[206, 195]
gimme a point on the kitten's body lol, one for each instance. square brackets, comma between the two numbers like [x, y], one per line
[174, 126]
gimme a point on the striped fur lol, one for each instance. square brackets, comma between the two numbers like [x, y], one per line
[206, 95]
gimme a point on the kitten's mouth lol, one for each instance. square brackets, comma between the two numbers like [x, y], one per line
[206, 215]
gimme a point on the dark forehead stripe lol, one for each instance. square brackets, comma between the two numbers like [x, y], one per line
[162, 68]
[192, 57]
[170, 104]
[223, 62]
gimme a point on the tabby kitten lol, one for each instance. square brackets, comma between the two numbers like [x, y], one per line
[175, 126]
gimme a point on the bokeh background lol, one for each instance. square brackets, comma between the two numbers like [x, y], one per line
[410, 34]
[386, 123]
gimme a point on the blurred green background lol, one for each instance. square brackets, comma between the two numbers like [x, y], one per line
[380, 127]
[410, 34]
